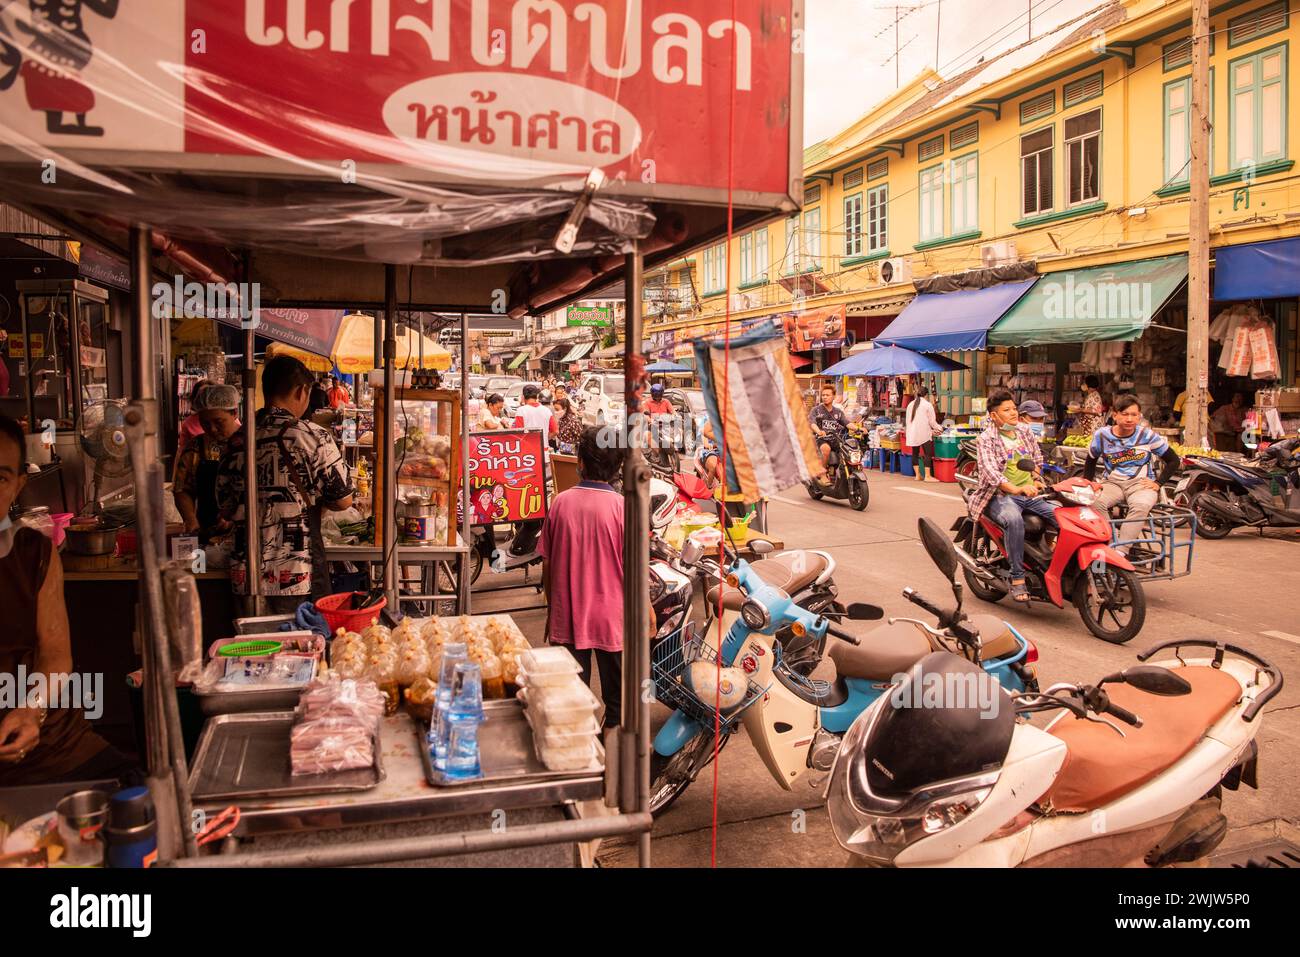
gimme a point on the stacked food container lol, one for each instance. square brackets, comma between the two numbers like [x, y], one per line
[561, 709]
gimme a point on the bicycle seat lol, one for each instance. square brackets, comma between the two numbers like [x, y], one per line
[1101, 766]
[887, 651]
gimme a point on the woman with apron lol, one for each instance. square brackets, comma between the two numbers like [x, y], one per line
[194, 480]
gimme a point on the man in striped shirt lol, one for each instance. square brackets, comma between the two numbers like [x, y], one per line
[1128, 451]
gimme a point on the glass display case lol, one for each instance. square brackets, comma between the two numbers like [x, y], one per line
[425, 447]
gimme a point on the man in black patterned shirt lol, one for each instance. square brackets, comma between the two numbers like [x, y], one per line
[300, 470]
[824, 418]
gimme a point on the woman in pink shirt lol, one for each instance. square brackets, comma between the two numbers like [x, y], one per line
[582, 544]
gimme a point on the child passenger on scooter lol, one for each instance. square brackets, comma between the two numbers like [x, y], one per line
[1006, 490]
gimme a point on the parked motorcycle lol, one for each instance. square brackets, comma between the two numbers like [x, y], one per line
[1225, 496]
[1103, 585]
[1083, 792]
[848, 479]
[794, 722]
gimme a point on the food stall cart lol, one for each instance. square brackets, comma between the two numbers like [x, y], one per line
[457, 178]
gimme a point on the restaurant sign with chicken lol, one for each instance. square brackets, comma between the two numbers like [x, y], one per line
[507, 472]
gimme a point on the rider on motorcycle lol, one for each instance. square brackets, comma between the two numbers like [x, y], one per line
[824, 419]
[1006, 490]
[1128, 451]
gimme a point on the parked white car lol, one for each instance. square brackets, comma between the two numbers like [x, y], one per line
[602, 398]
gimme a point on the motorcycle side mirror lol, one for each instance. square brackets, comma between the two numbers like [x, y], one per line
[762, 546]
[1152, 679]
[939, 548]
[860, 611]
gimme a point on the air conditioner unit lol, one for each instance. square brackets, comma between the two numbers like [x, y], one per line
[998, 254]
[741, 301]
[895, 271]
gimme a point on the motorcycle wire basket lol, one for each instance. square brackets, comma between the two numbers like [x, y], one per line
[1159, 546]
[670, 660]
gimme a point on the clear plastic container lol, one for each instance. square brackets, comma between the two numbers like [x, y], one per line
[553, 659]
[574, 758]
[569, 705]
[548, 679]
[563, 735]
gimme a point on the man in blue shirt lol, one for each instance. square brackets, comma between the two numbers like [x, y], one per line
[1128, 450]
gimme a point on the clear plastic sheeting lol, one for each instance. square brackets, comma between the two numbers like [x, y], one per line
[401, 131]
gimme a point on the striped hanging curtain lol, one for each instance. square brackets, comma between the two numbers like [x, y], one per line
[769, 443]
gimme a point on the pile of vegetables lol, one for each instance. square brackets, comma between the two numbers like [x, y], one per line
[1186, 450]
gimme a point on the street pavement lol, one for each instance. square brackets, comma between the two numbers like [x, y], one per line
[1244, 590]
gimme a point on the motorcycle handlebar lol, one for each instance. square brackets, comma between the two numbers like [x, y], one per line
[842, 635]
[1125, 715]
[912, 595]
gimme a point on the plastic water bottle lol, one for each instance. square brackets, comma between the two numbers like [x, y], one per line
[453, 653]
[462, 720]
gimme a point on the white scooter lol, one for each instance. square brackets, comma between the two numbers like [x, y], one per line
[1083, 792]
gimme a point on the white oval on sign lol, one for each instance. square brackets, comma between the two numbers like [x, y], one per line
[516, 116]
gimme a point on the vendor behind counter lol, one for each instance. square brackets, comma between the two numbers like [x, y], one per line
[44, 734]
[194, 480]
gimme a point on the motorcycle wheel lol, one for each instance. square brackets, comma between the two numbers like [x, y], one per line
[475, 565]
[670, 777]
[663, 460]
[814, 492]
[1210, 524]
[968, 468]
[1122, 593]
[984, 553]
[859, 495]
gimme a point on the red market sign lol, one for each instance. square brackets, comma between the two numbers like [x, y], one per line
[507, 472]
[508, 92]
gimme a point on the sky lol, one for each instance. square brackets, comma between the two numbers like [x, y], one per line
[850, 45]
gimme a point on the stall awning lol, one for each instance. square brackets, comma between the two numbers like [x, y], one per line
[1268, 270]
[1103, 303]
[952, 321]
[549, 355]
[519, 360]
[578, 352]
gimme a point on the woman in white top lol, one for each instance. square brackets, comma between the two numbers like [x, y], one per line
[922, 427]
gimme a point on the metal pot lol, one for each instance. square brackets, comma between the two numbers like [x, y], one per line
[94, 541]
[418, 520]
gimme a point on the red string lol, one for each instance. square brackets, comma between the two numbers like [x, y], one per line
[723, 403]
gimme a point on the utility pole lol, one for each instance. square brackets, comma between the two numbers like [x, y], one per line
[1198, 246]
[938, 20]
[1031, 19]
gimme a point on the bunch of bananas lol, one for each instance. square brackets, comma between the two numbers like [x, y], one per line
[1186, 450]
[1077, 441]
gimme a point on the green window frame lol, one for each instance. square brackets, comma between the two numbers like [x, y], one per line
[812, 237]
[878, 168]
[1082, 159]
[965, 196]
[930, 188]
[1259, 23]
[878, 219]
[964, 135]
[1083, 89]
[1038, 107]
[1177, 167]
[853, 225]
[753, 257]
[929, 149]
[1036, 173]
[1257, 108]
[714, 269]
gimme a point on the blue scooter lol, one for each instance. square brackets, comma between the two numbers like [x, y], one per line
[796, 723]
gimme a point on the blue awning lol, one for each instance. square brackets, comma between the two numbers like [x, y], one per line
[952, 321]
[1268, 270]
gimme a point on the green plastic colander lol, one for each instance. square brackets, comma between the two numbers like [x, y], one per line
[249, 649]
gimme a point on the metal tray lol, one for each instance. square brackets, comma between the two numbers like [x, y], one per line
[213, 703]
[247, 756]
[506, 751]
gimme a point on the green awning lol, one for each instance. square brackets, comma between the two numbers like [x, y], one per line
[519, 360]
[1102, 303]
[578, 352]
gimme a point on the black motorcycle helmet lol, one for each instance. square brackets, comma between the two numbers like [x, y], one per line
[933, 727]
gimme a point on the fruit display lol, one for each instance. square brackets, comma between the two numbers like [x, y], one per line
[1077, 441]
[1184, 451]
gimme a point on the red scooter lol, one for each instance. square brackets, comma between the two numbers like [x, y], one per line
[1080, 564]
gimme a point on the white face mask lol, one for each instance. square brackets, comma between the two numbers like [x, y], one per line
[1036, 428]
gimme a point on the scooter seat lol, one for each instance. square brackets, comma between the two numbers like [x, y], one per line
[996, 639]
[1101, 766]
[887, 651]
[791, 571]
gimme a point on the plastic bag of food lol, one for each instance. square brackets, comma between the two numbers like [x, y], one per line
[493, 673]
[330, 744]
[413, 665]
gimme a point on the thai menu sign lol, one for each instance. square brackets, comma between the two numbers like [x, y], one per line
[507, 471]
[503, 91]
